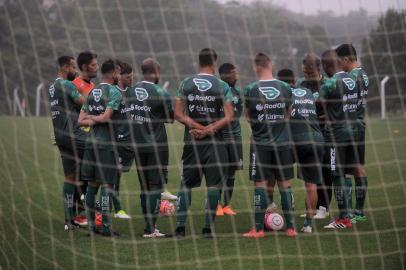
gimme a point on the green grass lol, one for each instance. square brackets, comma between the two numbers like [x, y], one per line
[31, 225]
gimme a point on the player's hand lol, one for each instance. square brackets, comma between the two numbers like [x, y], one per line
[198, 134]
[209, 130]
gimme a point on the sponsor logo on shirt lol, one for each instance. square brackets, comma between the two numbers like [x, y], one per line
[52, 91]
[259, 107]
[304, 101]
[141, 93]
[366, 80]
[270, 92]
[191, 107]
[350, 83]
[192, 97]
[235, 100]
[299, 92]
[202, 84]
[97, 94]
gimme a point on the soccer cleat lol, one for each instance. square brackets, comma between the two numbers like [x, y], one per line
[179, 233]
[358, 218]
[227, 210]
[99, 218]
[154, 234]
[122, 214]
[70, 226]
[306, 229]
[80, 221]
[291, 232]
[166, 195]
[271, 208]
[254, 234]
[339, 224]
[219, 211]
[206, 233]
[321, 213]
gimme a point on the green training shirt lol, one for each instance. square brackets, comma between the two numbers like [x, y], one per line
[148, 107]
[121, 122]
[267, 102]
[102, 97]
[64, 111]
[233, 131]
[314, 86]
[363, 82]
[204, 96]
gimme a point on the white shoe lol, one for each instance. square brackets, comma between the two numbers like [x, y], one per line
[122, 214]
[321, 213]
[155, 234]
[166, 195]
[271, 208]
[307, 229]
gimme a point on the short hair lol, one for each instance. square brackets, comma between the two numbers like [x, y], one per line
[125, 68]
[108, 66]
[226, 68]
[330, 58]
[286, 75]
[207, 57]
[85, 58]
[347, 50]
[262, 60]
[311, 60]
[149, 66]
[64, 60]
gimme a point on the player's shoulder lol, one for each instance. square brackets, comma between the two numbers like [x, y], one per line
[251, 86]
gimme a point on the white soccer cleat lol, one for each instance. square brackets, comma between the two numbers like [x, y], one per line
[166, 195]
[271, 208]
[339, 224]
[122, 215]
[306, 229]
[321, 213]
[155, 234]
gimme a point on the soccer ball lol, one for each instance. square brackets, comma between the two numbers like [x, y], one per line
[167, 208]
[274, 221]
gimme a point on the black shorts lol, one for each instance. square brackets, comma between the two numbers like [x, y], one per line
[152, 168]
[234, 153]
[208, 160]
[126, 156]
[343, 158]
[266, 163]
[71, 156]
[309, 159]
[100, 165]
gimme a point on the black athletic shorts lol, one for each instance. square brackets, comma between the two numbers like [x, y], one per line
[126, 156]
[343, 158]
[234, 153]
[100, 165]
[152, 167]
[309, 159]
[71, 156]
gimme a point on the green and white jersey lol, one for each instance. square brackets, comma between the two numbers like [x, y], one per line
[304, 122]
[340, 94]
[363, 82]
[121, 125]
[102, 97]
[233, 131]
[204, 96]
[267, 102]
[148, 107]
[64, 111]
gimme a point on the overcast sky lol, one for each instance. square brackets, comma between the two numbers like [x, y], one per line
[338, 6]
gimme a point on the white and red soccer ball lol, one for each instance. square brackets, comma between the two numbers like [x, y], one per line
[274, 221]
[167, 208]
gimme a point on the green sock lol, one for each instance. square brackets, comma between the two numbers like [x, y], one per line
[228, 190]
[105, 198]
[287, 206]
[184, 201]
[153, 199]
[115, 197]
[143, 200]
[90, 199]
[348, 190]
[260, 204]
[341, 196]
[68, 192]
[213, 197]
[361, 187]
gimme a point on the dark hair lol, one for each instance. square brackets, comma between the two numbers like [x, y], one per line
[226, 68]
[207, 57]
[108, 66]
[262, 60]
[311, 60]
[84, 58]
[64, 60]
[125, 68]
[149, 66]
[347, 50]
[330, 58]
[286, 75]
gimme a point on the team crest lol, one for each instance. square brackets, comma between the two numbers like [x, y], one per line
[97, 94]
[235, 100]
[202, 84]
[270, 92]
[141, 94]
[299, 92]
[366, 80]
[316, 95]
[350, 83]
[52, 91]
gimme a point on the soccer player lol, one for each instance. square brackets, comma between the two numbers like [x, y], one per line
[88, 66]
[348, 56]
[99, 161]
[149, 108]
[339, 96]
[232, 135]
[65, 101]
[203, 105]
[267, 107]
[308, 143]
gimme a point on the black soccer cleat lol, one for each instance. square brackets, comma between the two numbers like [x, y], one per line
[206, 233]
[179, 233]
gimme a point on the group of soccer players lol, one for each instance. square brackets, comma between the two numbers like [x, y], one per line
[317, 123]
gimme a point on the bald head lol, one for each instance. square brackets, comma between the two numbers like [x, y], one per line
[331, 62]
[151, 70]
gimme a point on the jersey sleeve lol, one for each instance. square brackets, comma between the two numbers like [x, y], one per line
[70, 89]
[227, 95]
[327, 88]
[115, 98]
[246, 94]
[167, 102]
[85, 106]
[180, 93]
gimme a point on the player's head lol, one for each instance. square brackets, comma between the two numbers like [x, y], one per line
[151, 70]
[110, 71]
[287, 76]
[67, 67]
[126, 74]
[262, 63]
[311, 67]
[207, 58]
[331, 62]
[348, 56]
[228, 73]
[87, 63]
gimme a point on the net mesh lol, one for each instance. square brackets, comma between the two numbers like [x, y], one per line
[34, 33]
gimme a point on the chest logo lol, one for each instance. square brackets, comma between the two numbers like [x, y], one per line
[52, 91]
[299, 92]
[270, 92]
[141, 94]
[235, 100]
[97, 94]
[202, 84]
[350, 83]
[366, 80]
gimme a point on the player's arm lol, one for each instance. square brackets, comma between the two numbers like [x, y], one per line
[168, 107]
[73, 93]
[182, 117]
[85, 120]
[325, 90]
[112, 105]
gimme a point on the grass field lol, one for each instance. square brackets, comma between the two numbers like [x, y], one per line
[31, 215]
